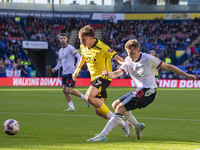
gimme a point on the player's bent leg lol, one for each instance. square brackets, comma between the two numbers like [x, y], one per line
[120, 109]
[115, 104]
[77, 93]
[98, 103]
[91, 96]
[69, 100]
[99, 113]
[112, 123]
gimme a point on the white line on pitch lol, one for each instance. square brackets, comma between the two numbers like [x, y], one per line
[46, 114]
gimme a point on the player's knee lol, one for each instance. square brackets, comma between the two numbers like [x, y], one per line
[68, 91]
[64, 91]
[89, 98]
[114, 105]
[120, 108]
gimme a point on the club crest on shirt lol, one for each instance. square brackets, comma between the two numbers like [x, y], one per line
[137, 68]
[110, 50]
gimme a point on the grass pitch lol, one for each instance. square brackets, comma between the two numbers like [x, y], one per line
[172, 121]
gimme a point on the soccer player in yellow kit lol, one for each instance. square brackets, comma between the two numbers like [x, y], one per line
[152, 52]
[98, 57]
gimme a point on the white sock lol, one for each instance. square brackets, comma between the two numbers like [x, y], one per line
[129, 116]
[110, 115]
[71, 104]
[112, 123]
[82, 96]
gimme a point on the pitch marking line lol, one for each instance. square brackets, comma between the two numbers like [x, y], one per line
[46, 114]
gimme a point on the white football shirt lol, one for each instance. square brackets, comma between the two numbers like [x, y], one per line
[66, 59]
[142, 71]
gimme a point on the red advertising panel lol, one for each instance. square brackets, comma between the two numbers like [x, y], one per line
[163, 83]
[6, 81]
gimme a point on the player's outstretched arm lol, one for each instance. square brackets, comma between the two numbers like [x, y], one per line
[59, 64]
[174, 69]
[119, 59]
[80, 65]
[114, 74]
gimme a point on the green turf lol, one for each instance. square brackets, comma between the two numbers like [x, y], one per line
[172, 121]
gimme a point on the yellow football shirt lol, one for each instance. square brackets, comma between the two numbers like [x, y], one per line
[98, 59]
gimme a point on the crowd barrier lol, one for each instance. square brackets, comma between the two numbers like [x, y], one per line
[164, 83]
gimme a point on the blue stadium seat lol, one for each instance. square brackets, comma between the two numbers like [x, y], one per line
[181, 67]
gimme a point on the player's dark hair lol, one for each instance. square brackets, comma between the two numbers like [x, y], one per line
[132, 44]
[63, 34]
[86, 31]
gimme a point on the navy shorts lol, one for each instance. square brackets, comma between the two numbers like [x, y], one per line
[138, 99]
[68, 81]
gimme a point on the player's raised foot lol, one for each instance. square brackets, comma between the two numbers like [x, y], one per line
[70, 109]
[138, 130]
[98, 138]
[127, 129]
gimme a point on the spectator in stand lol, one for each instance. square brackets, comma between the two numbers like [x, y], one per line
[20, 66]
[14, 65]
[190, 71]
[168, 60]
[2, 66]
[7, 62]
[176, 76]
[188, 52]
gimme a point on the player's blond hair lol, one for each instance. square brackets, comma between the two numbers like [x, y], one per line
[132, 44]
[86, 31]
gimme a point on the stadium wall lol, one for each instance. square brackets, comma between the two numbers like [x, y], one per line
[163, 83]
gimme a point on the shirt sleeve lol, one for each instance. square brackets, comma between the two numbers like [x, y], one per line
[124, 67]
[108, 52]
[73, 51]
[59, 64]
[154, 61]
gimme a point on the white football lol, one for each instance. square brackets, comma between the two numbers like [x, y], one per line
[11, 127]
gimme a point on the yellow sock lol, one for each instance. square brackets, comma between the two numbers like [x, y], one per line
[104, 109]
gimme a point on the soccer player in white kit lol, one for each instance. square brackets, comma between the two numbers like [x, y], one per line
[141, 67]
[67, 55]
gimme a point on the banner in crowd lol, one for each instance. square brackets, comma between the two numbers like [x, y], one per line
[107, 16]
[165, 16]
[13, 73]
[44, 14]
[99, 16]
[34, 45]
[163, 83]
[180, 53]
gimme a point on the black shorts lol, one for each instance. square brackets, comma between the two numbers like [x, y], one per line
[68, 81]
[101, 85]
[138, 99]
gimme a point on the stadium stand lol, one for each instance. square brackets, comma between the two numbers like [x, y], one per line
[164, 36]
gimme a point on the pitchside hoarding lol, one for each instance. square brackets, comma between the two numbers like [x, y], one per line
[163, 83]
